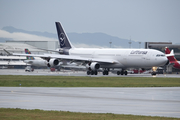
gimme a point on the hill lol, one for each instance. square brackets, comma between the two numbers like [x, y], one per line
[82, 39]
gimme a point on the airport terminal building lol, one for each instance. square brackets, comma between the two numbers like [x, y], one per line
[32, 45]
[35, 47]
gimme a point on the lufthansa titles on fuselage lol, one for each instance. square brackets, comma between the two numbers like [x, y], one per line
[138, 52]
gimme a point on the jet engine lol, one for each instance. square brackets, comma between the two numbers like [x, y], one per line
[93, 66]
[52, 62]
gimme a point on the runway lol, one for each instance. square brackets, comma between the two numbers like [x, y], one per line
[76, 73]
[136, 101]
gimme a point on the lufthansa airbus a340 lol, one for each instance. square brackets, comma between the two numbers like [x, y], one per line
[105, 58]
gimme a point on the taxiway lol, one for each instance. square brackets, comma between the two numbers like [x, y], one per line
[136, 101]
[76, 73]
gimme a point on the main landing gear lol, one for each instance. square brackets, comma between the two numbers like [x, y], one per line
[106, 72]
[92, 72]
[122, 72]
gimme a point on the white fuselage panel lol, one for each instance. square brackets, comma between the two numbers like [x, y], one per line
[127, 58]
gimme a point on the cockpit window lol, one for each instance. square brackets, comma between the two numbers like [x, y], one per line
[160, 55]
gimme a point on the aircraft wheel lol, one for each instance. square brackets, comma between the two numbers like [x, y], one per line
[153, 73]
[125, 73]
[92, 72]
[95, 72]
[118, 72]
[104, 73]
[88, 72]
[122, 72]
[107, 72]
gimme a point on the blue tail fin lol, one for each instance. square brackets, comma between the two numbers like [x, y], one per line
[28, 57]
[63, 39]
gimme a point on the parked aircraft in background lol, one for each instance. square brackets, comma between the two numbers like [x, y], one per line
[49, 63]
[172, 60]
[96, 58]
[36, 62]
[12, 61]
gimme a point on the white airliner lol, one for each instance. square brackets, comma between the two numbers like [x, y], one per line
[30, 60]
[108, 58]
[36, 62]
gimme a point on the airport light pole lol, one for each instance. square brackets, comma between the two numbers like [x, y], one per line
[139, 44]
[110, 44]
[130, 43]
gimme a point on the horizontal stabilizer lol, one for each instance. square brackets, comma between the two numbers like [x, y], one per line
[171, 54]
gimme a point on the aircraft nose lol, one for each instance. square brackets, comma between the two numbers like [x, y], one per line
[165, 61]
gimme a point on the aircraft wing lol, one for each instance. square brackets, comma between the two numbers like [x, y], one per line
[69, 57]
[12, 63]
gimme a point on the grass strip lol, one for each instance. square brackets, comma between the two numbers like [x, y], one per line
[36, 114]
[71, 81]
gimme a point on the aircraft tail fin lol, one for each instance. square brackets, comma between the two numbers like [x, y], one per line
[29, 57]
[170, 55]
[63, 39]
[167, 51]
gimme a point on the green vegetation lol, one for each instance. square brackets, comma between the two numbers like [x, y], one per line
[71, 81]
[20, 114]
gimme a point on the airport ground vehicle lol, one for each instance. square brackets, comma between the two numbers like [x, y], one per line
[29, 69]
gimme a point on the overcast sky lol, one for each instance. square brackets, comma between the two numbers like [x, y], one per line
[142, 20]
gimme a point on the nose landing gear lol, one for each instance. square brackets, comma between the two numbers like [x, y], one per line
[154, 71]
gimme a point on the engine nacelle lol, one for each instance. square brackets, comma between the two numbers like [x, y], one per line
[93, 66]
[53, 62]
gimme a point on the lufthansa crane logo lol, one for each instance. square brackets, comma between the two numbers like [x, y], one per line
[62, 39]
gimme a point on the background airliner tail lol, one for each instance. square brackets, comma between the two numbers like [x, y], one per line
[170, 55]
[29, 57]
[63, 39]
[172, 59]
